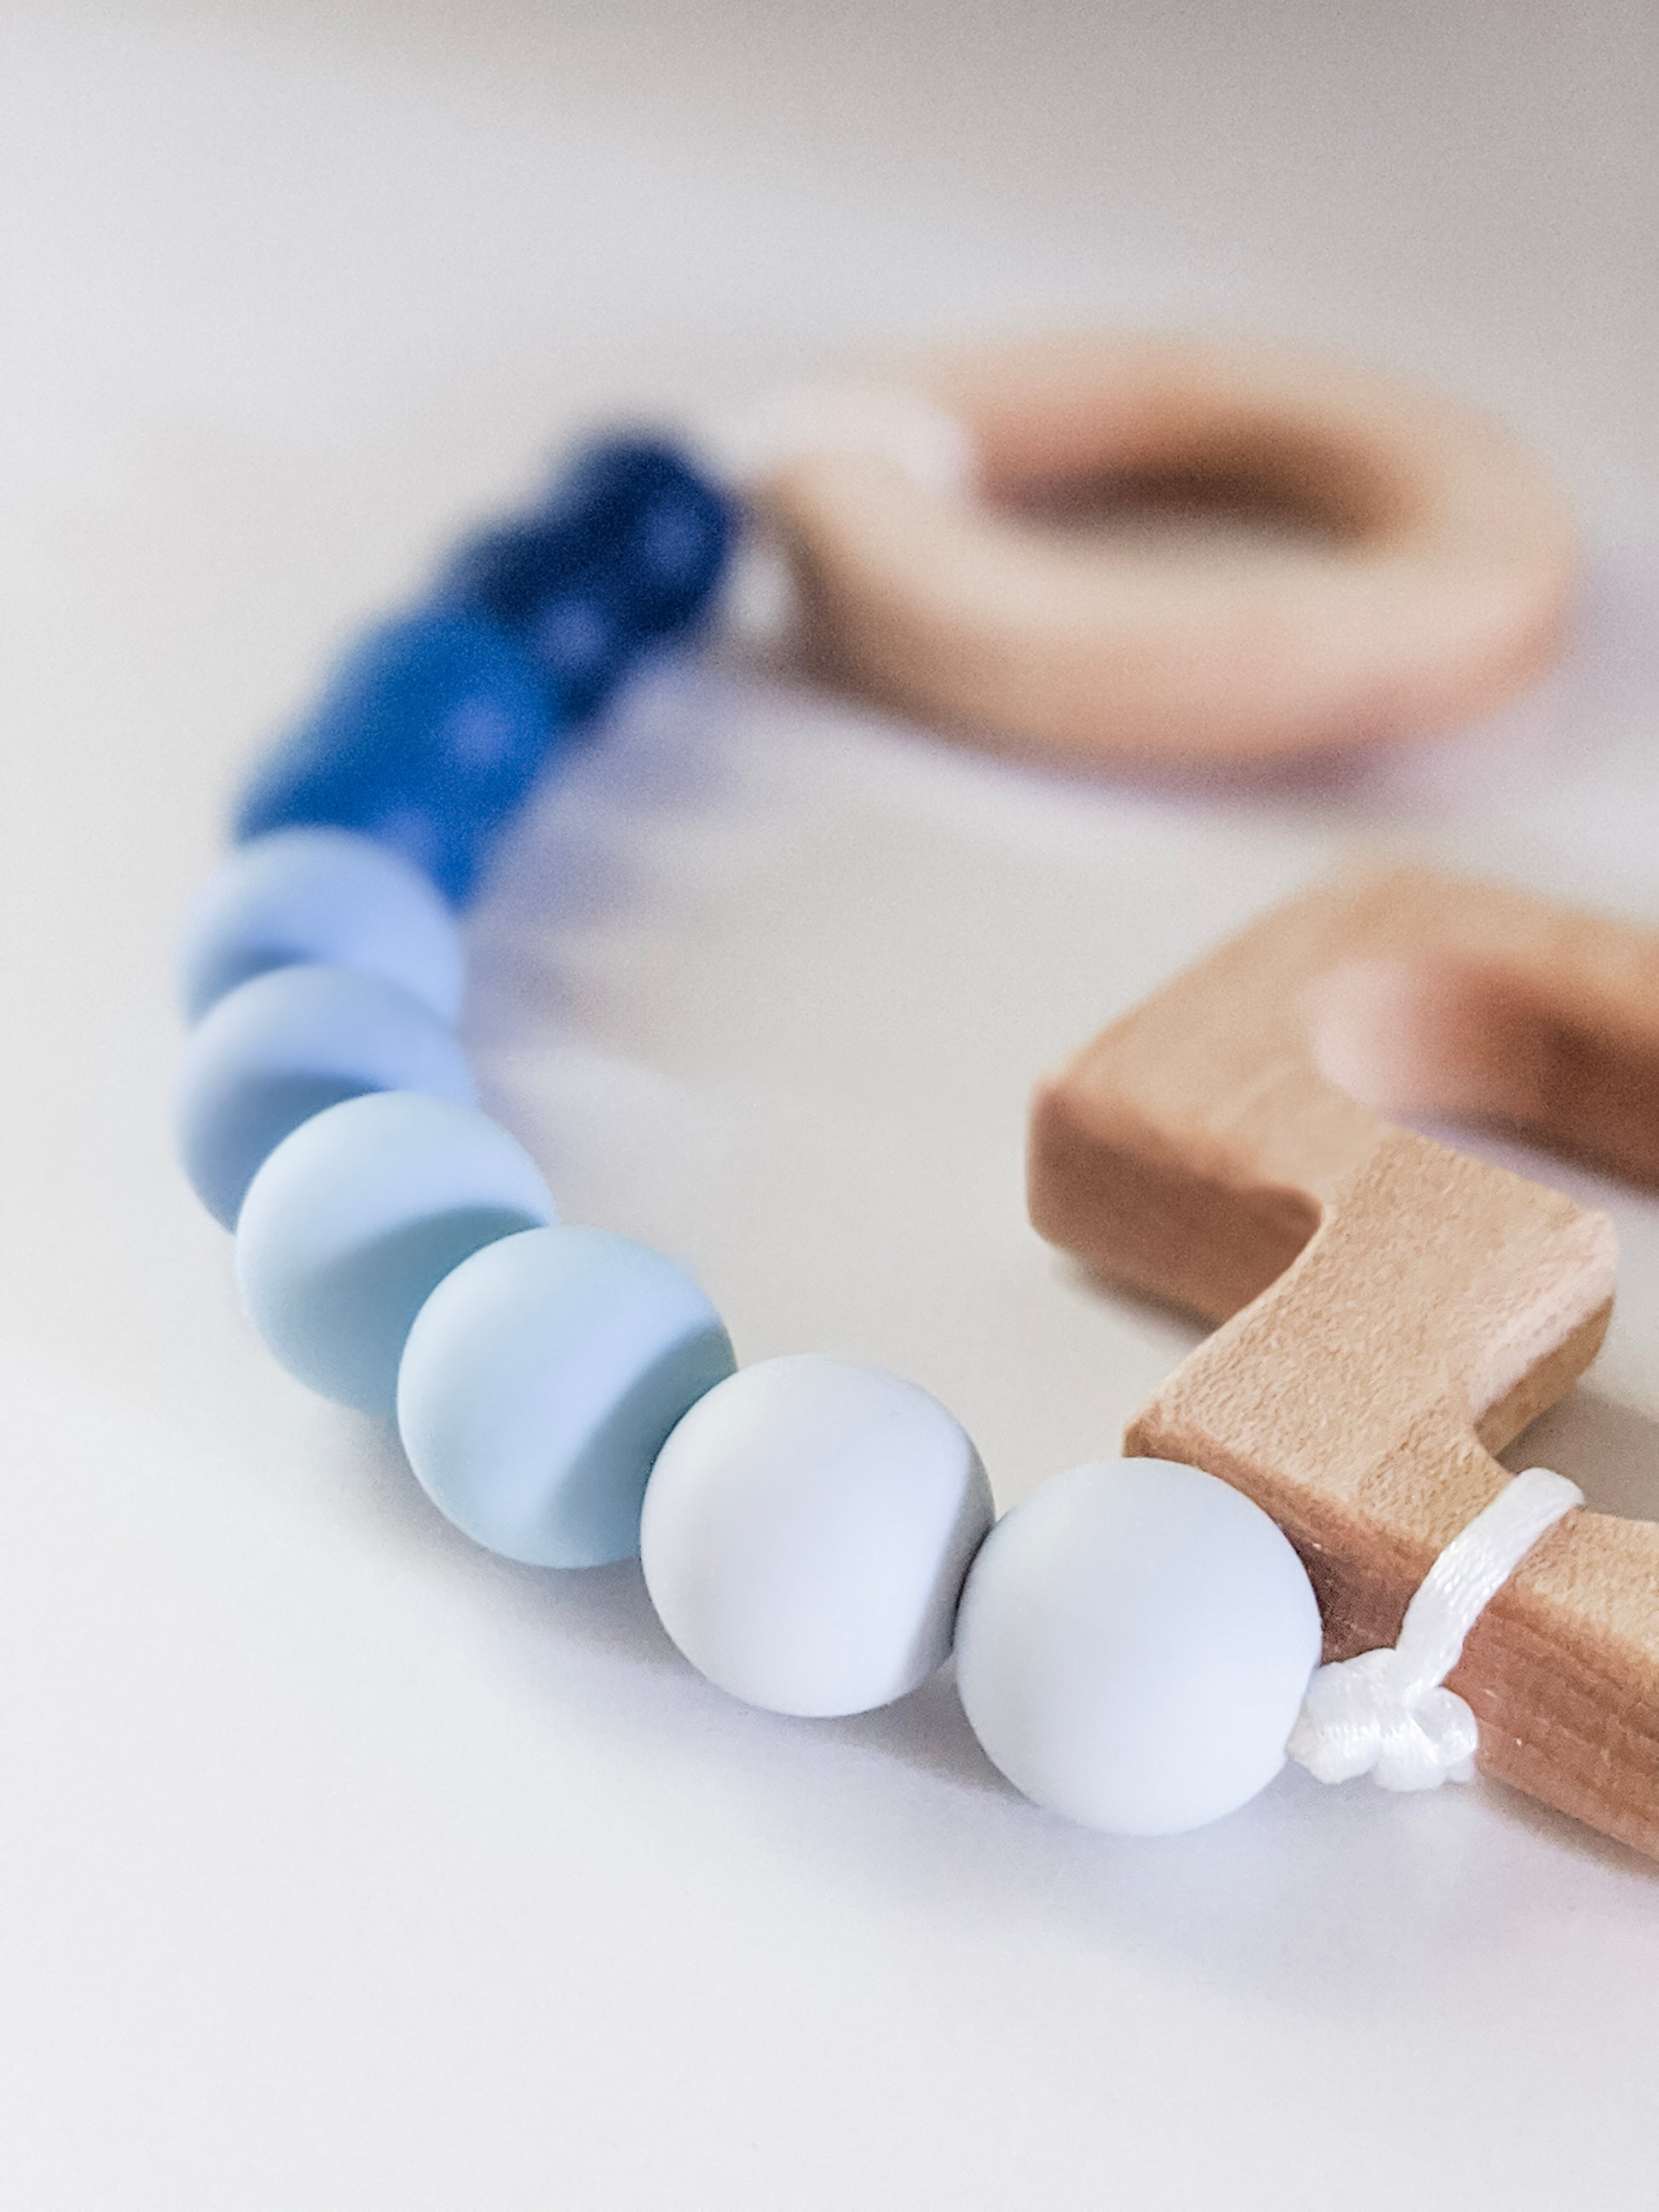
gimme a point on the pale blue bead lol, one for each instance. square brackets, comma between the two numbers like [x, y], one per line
[1133, 1645]
[541, 1380]
[354, 1221]
[286, 1046]
[319, 895]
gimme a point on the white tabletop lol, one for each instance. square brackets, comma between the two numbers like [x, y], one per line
[343, 1867]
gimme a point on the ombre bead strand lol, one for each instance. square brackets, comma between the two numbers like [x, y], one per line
[1132, 1642]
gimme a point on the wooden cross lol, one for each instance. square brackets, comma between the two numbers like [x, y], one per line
[1392, 1312]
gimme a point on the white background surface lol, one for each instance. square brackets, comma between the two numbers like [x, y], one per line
[342, 1867]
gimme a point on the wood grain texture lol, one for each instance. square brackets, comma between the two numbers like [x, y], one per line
[1392, 1312]
[1446, 565]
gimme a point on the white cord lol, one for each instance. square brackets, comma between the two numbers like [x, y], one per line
[1387, 1712]
[914, 433]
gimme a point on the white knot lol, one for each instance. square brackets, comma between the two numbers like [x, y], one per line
[1387, 1712]
[1360, 1717]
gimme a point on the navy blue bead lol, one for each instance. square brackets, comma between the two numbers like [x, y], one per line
[509, 569]
[427, 739]
[666, 530]
[582, 645]
[627, 550]
[540, 582]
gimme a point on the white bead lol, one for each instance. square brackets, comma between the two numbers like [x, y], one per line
[807, 1530]
[1134, 1646]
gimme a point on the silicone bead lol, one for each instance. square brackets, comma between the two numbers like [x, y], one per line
[1134, 1646]
[538, 580]
[805, 1533]
[539, 1381]
[286, 1046]
[319, 895]
[356, 1220]
[427, 739]
[583, 645]
[628, 549]
[669, 528]
[632, 509]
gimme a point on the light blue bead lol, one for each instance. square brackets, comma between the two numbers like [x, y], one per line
[286, 1046]
[319, 895]
[541, 1380]
[354, 1221]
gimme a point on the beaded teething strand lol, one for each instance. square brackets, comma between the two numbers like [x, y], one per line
[1135, 1643]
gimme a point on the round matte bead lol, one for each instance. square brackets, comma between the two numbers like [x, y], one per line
[627, 549]
[630, 518]
[322, 895]
[668, 529]
[286, 1046]
[1134, 1646]
[551, 581]
[539, 1381]
[427, 738]
[354, 1221]
[583, 644]
[805, 1533]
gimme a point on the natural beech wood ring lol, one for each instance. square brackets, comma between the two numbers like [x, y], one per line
[1442, 590]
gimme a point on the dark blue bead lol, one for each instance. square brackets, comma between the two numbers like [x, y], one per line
[628, 549]
[582, 648]
[509, 569]
[534, 579]
[664, 529]
[427, 738]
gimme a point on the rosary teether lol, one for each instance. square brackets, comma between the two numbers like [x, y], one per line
[1137, 1643]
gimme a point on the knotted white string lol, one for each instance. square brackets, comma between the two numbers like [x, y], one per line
[1387, 1712]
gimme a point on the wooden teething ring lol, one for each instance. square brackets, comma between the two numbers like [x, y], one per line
[1440, 590]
